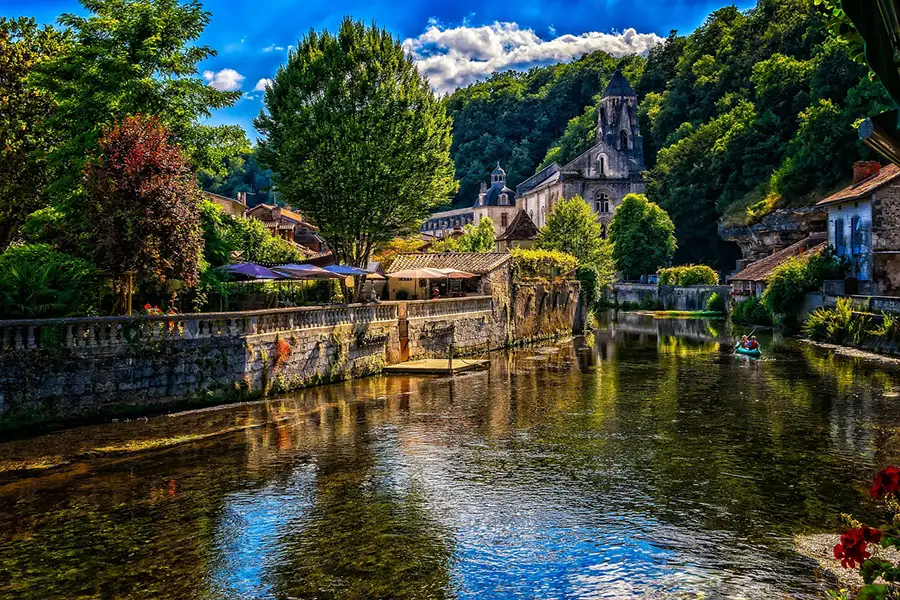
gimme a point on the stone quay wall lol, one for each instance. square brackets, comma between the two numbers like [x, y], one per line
[670, 297]
[59, 371]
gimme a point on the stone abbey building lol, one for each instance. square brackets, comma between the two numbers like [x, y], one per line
[602, 176]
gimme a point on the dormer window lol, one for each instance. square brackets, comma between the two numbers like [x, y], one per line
[504, 199]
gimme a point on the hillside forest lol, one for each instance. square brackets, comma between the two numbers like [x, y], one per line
[753, 111]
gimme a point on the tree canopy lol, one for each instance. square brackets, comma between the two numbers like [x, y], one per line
[142, 205]
[642, 235]
[475, 238]
[357, 139]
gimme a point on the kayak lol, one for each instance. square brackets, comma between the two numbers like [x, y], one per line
[748, 352]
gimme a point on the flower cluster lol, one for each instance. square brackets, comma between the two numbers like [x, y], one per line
[887, 482]
[852, 547]
[283, 351]
[152, 310]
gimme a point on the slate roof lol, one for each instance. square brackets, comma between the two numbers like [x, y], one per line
[472, 262]
[618, 86]
[865, 187]
[492, 196]
[521, 228]
[546, 175]
[761, 269]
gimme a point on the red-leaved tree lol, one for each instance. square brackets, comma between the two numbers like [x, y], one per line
[142, 205]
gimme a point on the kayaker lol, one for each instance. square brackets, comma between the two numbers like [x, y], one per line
[753, 344]
[744, 342]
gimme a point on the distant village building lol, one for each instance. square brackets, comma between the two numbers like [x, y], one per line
[497, 202]
[234, 207]
[288, 225]
[753, 279]
[603, 175]
[864, 227]
[521, 233]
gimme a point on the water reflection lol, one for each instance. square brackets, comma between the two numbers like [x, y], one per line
[643, 459]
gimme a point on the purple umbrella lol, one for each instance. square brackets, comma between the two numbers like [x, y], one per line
[251, 271]
[304, 272]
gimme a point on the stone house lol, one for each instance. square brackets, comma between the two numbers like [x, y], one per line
[864, 228]
[521, 233]
[495, 201]
[752, 279]
[231, 206]
[289, 226]
[602, 175]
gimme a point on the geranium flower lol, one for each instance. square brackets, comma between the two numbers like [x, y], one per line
[147, 306]
[852, 547]
[887, 481]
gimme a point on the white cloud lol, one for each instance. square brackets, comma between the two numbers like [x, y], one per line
[273, 48]
[262, 85]
[455, 57]
[226, 80]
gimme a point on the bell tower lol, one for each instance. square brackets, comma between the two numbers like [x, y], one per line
[617, 122]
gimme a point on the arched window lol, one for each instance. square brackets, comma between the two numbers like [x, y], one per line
[623, 140]
[602, 203]
[601, 162]
[504, 199]
[603, 230]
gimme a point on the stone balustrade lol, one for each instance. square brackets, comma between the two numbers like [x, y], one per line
[417, 309]
[100, 332]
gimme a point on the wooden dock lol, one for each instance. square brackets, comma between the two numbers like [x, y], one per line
[437, 366]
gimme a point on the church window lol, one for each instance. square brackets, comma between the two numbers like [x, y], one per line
[602, 161]
[531, 214]
[602, 203]
[503, 222]
[623, 140]
[603, 231]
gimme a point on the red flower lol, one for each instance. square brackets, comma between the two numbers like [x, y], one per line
[887, 481]
[147, 306]
[852, 547]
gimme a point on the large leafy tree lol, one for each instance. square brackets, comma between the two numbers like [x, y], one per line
[134, 57]
[143, 205]
[24, 112]
[642, 235]
[357, 139]
[572, 228]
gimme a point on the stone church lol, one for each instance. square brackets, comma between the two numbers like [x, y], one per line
[495, 201]
[603, 175]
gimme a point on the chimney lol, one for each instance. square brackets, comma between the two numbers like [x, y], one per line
[864, 169]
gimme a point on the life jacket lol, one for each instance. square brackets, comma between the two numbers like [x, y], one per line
[753, 345]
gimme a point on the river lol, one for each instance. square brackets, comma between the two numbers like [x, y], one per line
[641, 461]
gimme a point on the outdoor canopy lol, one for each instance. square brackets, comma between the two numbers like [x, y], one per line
[305, 272]
[250, 271]
[346, 270]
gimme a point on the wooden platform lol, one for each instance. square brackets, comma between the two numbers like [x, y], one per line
[437, 366]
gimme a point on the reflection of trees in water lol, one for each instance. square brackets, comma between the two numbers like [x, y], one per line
[367, 535]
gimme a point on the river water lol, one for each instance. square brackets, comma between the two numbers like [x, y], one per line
[641, 461]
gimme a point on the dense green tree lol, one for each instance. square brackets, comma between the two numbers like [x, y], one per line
[24, 112]
[227, 238]
[475, 238]
[134, 57]
[642, 235]
[243, 174]
[143, 206]
[572, 228]
[357, 139]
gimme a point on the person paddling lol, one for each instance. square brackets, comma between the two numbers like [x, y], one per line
[752, 344]
[744, 342]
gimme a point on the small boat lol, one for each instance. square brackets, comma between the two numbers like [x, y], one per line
[747, 352]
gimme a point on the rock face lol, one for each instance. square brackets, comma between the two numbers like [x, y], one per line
[775, 231]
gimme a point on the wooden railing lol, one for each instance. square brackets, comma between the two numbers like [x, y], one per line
[100, 332]
[447, 306]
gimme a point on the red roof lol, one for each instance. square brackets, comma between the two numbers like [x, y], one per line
[865, 187]
[761, 269]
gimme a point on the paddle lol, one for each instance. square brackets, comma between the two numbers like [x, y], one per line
[734, 350]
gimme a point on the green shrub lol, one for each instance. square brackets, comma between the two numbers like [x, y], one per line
[224, 235]
[592, 284]
[541, 264]
[751, 312]
[648, 303]
[840, 325]
[402, 295]
[792, 280]
[716, 303]
[37, 281]
[688, 275]
[47, 225]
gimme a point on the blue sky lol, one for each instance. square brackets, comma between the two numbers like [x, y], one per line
[454, 43]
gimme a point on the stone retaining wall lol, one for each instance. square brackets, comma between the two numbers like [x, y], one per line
[59, 371]
[668, 297]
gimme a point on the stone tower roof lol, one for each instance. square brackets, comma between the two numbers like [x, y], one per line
[618, 86]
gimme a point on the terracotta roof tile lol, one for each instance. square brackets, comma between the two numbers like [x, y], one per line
[761, 269]
[865, 187]
[472, 262]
